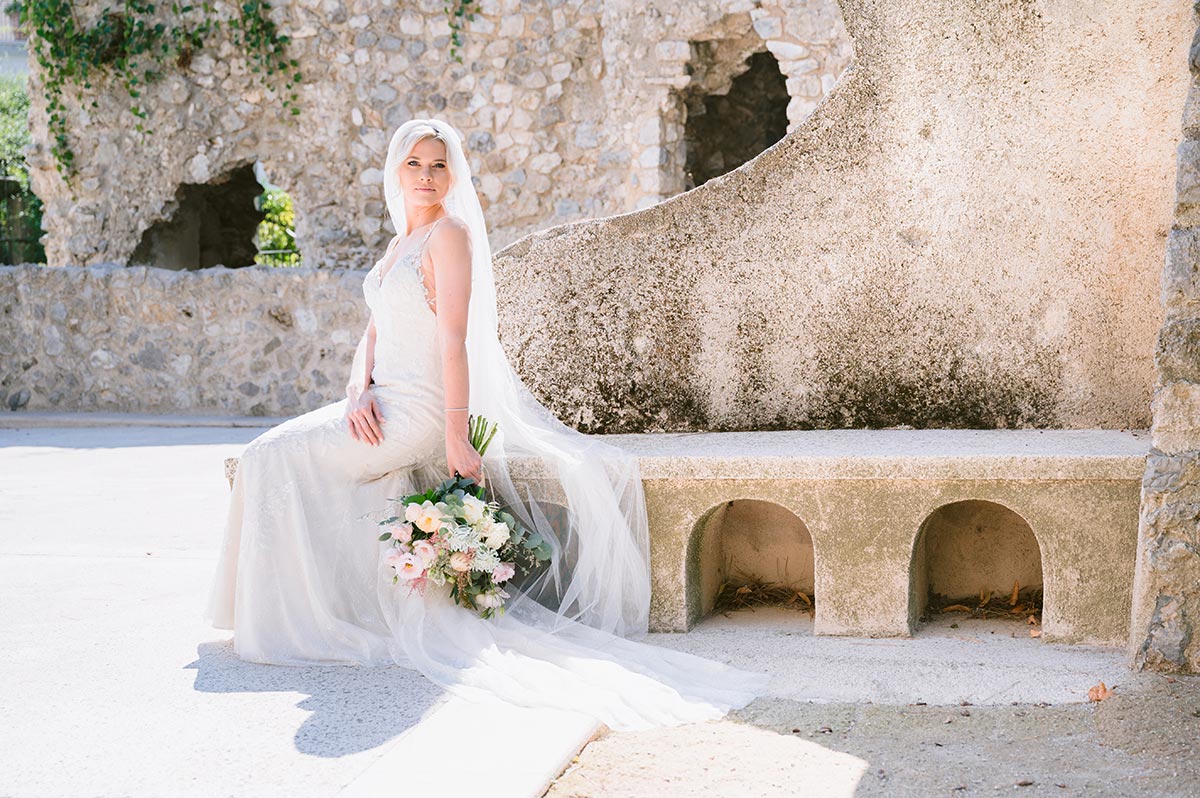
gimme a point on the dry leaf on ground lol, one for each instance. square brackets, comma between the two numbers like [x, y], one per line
[1100, 692]
[1035, 632]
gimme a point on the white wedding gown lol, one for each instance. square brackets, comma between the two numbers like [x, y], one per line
[301, 579]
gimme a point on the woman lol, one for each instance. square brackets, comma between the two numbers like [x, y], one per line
[301, 579]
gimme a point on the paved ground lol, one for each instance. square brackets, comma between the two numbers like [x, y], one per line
[110, 684]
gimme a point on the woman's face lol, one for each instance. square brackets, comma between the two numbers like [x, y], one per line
[425, 174]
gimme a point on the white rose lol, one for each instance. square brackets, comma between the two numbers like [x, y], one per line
[488, 600]
[473, 509]
[496, 535]
[412, 512]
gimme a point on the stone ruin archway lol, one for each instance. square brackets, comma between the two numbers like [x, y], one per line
[724, 130]
[207, 224]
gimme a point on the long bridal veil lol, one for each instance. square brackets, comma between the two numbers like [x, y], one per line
[560, 641]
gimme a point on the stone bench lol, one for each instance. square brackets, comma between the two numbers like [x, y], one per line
[871, 521]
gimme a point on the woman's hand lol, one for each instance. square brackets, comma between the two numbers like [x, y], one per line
[462, 457]
[363, 416]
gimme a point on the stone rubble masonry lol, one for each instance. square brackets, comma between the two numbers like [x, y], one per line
[257, 341]
[570, 109]
[1165, 625]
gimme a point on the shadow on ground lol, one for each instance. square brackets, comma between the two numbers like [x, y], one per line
[1144, 743]
[351, 708]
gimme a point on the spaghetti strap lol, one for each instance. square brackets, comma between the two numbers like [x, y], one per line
[429, 232]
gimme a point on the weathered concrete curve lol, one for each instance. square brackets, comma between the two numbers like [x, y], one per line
[961, 235]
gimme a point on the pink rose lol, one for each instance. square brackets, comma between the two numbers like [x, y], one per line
[425, 550]
[409, 566]
[503, 572]
[402, 532]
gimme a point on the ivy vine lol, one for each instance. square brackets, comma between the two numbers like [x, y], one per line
[130, 40]
[458, 13]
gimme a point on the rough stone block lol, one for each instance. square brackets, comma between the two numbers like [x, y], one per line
[1176, 476]
[1191, 112]
[1166, 591]
[1194, 53]
[1178, 354]
[1181, 277]
[1176, 410]
[1187, 180]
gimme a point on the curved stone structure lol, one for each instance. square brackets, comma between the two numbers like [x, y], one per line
[964, 234]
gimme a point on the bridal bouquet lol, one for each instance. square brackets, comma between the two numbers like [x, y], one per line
[450, 535]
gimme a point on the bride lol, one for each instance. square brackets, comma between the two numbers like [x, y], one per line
[301, 578]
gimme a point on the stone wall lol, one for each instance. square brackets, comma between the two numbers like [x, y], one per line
[570, 109]
[256, 341]
[1166, 610]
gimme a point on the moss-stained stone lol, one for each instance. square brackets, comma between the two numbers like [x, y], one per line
[960, 235]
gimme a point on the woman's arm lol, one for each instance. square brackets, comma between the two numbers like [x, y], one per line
[364, 362]
[450, 251]
[362, 411]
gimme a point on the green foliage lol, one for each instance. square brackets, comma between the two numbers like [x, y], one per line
[14, 124]
[459, 13]
[276, 234]
[135, 41]
[257, 34]
[20, 208]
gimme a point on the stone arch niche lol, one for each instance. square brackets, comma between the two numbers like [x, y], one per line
[972, 545]
[724, 130]
[733, 87]
[206, 224]
[747, 538]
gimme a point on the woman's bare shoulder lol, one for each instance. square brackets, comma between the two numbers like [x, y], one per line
[452, 224]
[450, 232]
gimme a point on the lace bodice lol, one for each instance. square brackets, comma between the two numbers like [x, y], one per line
[405, 325]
